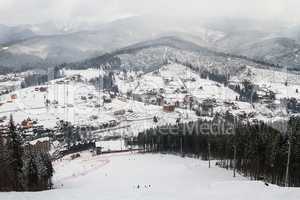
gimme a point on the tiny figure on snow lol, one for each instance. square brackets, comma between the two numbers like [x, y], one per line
[155, 119]
[266, 184]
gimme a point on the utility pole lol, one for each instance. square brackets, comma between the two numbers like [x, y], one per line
[234, 160]
[145, 147]
[288, 162]
[208, 155]
[181, 145]
[121, 141]
[152, 149]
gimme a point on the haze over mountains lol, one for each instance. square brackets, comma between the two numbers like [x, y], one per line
[50, 44]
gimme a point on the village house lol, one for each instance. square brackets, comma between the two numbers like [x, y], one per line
[205, 108]
[106, 99]
[168, 108]
[110, 146]
[119, 112]
[13, 96]
[43, 89]
[41, 145]
[27, 123]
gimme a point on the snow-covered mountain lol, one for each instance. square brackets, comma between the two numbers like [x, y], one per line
[54, 43]
[56, 49]
[54, 46]
[263, 41]
[51, 28]
[11, 34]
[282, 51]
[151, 54]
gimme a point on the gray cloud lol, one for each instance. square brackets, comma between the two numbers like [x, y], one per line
[36, 11]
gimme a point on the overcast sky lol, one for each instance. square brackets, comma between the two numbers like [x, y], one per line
[36, 11]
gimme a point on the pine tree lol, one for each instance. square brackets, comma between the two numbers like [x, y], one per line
[16, 152]
[45, 170]
[32, 174]
[4, 162]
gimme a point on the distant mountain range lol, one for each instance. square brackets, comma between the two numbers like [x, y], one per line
[152, 54]
[47, 45]
[13, 34]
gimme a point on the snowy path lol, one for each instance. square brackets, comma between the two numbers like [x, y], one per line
[150, 177]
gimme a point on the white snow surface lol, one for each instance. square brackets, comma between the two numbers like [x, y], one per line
[272, 80]
[86, 74]
[178, 76]
[44, 139]
[70, 107]
[117, 176]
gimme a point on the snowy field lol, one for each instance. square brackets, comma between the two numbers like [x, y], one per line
[152, 177]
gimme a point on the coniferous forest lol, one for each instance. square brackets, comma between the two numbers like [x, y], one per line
[20, 171]
[257, 151]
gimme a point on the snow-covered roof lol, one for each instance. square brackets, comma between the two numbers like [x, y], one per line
[43, 139]
[111, 145]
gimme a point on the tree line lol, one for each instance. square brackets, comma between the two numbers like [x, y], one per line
[20, 170]
[256, 150]
[41, 78]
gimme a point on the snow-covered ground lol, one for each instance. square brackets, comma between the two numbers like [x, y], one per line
[175, 76]
[172, 78]
[152, 177]
[66, 104]
[283, 83]
[85, 74]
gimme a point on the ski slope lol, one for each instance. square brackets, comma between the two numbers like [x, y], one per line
[150, 177]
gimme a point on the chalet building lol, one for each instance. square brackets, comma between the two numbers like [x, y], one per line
[83, 98]
[162, 90]
[169, 108]
[188, 99]
[13, 96]
[120, 112]
[137, 97]
[43, 89]
[110, 146]
[106, 99]
[27, 123]
[76, 77]
[151, 92]
[205, 108]
[265, 94]
[293, 104]
[41, 145]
